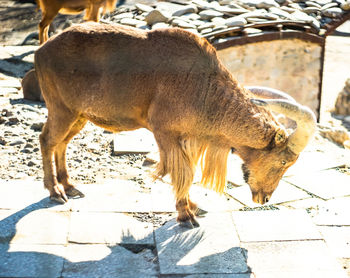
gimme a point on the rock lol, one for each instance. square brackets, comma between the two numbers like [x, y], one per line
[209, 14]
[25, 150]
[31, 164]
[313, 4]
[282, 14]
[323, 2]
[157, 16]
[310, 10]
[186, 9]
[207, 31]
[219, 27]
[347, 119]
[206, 26]
[30, 87]
[132, 22]
[160, 25]
[119, 17]
[342, 104]
[191, 16]
[28, 146]
[345, 6]
[260, 14]
[299, 15]
[332, 12]
[17, 142]
[13, 120]
[265, 4]
[229, 10]
[235, 21]
[183, 24]
[37, 126]
[329, 5]
[337, 135]
[143, 7]
[252, 31]
[218, 20]
[2, 141]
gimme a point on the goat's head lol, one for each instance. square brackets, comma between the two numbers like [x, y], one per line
[263, 168]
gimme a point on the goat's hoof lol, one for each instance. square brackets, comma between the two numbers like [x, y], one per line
[189, 224]
[59, 195]
[58, 199]
[200, 212]
[73, 192]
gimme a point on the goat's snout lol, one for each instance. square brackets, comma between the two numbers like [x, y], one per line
[261, 198]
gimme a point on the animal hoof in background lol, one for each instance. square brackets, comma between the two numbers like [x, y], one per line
[189, 224]
[74, 193]
[200, 212]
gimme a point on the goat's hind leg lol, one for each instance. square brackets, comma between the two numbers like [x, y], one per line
[60, 160]
[55, 130]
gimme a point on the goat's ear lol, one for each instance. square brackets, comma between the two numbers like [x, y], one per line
[280, 137]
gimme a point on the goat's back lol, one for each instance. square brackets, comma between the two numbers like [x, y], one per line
[100, 67]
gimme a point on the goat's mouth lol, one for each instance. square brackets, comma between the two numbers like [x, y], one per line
[260, 197]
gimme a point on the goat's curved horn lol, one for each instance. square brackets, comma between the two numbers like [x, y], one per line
[302, 115]
[269, 93]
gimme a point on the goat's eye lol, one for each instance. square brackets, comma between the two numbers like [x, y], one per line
[284, 162]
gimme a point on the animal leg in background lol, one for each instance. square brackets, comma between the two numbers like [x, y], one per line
[45, 24]
[60, 160]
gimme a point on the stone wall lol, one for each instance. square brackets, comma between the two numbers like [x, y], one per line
[290, 65]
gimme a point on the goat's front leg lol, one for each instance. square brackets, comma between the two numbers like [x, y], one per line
[186, 214]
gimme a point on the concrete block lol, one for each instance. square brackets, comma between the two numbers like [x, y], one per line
[311, 161]
[85, 261]
[325, 184]
[137, 141]
[109, 228]
[284, 192]
[27, 195]
[35, 227]
[211, 248]
[337, 239]
[292, 259]
[276, 225]
[21, 260]
[113, 196]
[334, 212]
[163, 199]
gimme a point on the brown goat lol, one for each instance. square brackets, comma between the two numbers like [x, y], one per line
[171, 82]
[50, 8]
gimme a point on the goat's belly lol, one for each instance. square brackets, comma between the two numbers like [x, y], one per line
[72, 10]
[115, 124]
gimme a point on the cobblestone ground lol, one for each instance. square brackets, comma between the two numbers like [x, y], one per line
[126, 227]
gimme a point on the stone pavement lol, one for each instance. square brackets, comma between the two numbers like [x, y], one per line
[122, 229]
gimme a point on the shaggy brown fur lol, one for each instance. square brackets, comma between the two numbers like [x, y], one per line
[169, 81]
[50, 8]
[30, 86]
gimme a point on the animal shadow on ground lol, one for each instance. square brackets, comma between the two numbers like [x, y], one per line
[15, 66]
[135, 259]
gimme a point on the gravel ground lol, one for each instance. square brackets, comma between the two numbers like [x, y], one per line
[90, 156]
